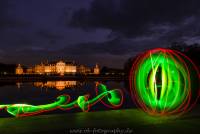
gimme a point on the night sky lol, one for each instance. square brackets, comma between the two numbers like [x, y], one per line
[107, 32]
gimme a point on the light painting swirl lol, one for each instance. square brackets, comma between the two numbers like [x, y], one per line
[164, 81]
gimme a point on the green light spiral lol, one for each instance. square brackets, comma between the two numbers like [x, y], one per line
[161, 82]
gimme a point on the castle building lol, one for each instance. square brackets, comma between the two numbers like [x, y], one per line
[19, 70]
[70, 68]
[59, 67]
[84, 70]
[39, 69]
[29, 70]
[48, 69]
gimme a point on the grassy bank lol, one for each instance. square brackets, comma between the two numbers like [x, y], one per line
[135, 120]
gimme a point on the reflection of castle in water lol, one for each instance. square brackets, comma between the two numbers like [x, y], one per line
[59, 85]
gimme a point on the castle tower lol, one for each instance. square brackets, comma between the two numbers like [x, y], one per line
[60, 67]
[96, 69]
[19, 70]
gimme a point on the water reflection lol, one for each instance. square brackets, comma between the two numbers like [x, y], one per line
[59, 85]
[32, 93]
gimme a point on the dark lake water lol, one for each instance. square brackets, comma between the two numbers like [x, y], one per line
[38, 93]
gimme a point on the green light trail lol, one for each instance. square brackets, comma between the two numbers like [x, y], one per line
[112, 98]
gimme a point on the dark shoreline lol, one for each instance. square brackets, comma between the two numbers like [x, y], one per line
[33, 78]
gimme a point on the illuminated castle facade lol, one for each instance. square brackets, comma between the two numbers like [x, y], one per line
[59, 67]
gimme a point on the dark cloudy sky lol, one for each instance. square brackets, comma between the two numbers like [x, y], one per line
[88, 31]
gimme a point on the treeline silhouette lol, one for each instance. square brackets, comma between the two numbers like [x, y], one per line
[7, 68]
[191, 51]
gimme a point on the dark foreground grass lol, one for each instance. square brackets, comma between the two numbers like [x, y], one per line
[129, 120]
